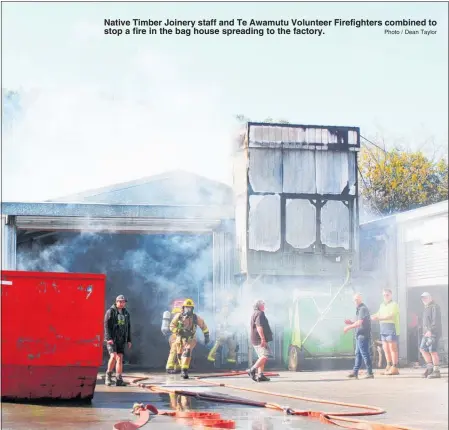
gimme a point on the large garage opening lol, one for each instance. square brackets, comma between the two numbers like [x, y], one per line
[151, 270]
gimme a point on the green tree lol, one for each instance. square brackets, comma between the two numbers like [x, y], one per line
[395, 181]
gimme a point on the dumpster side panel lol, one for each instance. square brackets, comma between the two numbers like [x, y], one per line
[52, 334]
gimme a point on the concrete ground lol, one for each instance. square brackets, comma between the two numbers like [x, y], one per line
[408, 399]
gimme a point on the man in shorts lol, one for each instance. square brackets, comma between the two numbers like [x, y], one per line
[388, 317]
[432, 329]
[261, 334]
[117, 333]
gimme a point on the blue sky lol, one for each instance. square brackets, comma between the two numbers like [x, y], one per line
[99, 109]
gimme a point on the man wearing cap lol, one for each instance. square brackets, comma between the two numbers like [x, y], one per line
[432, 329]
[117, 333]
[261, 334]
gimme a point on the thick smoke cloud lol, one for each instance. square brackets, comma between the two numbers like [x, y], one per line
[151, 270]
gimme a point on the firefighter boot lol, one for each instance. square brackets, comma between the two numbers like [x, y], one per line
[108, 379]
[213, 352]
[184, 374]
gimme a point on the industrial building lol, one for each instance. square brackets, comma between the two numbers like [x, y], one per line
[408, 252]
[288, 225]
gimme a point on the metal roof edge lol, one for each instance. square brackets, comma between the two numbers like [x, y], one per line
[108, 210]
[426, 211]
[413, 214]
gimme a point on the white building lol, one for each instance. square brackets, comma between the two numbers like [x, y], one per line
[412, 257]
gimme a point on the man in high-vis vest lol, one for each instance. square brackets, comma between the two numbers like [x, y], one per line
[388, 317]
[184, 326]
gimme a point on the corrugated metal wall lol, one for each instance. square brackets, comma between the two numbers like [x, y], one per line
[426, 264]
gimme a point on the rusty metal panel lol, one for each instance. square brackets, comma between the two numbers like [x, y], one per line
[335, 226]
[300, 223]
[55, 355]
[277, 135]
[265, 223]
[265, 170]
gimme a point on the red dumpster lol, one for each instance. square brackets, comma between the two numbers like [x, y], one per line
[52, 334]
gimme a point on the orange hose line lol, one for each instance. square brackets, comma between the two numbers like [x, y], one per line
[325, 417]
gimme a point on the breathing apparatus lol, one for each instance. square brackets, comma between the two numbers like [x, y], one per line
[187, 308]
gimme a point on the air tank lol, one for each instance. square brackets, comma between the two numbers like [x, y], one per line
[165, 327]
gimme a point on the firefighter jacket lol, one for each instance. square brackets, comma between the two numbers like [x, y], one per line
[185, 326]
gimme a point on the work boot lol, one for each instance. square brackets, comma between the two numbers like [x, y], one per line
[108, 379]
[353, 375]
[387, 369]
[171, 371]
[262, 378]
[435, 374]
[393, 371]
[184, 374]
[428, 372]
[120, 382]
[251, 373]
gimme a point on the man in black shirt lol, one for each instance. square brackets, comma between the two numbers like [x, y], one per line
[362, 327]
[117, 333]
[261, 334]
[432, 329]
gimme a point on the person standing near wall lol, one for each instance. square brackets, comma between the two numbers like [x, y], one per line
[261, 334]
[388, 317]
[362, 327]
[117, 333]
[432, 329]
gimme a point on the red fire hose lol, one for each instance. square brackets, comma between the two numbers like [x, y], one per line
[340, 419]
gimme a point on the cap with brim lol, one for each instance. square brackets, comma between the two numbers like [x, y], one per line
[120, 298]
[426, 294]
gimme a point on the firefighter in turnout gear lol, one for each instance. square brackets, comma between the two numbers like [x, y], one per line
[183, 326]
[171, 337]
[225, 336]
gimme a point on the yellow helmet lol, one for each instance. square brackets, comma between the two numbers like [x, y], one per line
[188, 303]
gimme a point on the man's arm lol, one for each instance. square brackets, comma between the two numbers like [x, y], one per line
[202, 325]
[434, 315]
[107, 331]
[259, 327]
[129, 328]
[362, 315]
[391, 316]
[375, 317]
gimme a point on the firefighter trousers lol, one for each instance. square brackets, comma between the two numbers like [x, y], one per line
[181, 349]
[231, 344]
[173, 362]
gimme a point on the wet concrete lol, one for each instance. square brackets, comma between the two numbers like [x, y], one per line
[408, 399]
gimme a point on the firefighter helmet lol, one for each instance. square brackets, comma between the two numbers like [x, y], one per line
[188, 303]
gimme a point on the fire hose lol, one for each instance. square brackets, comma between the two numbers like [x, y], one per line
[214, 420]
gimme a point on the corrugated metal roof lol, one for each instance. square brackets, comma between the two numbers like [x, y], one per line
[170, 188]
[414, 214]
